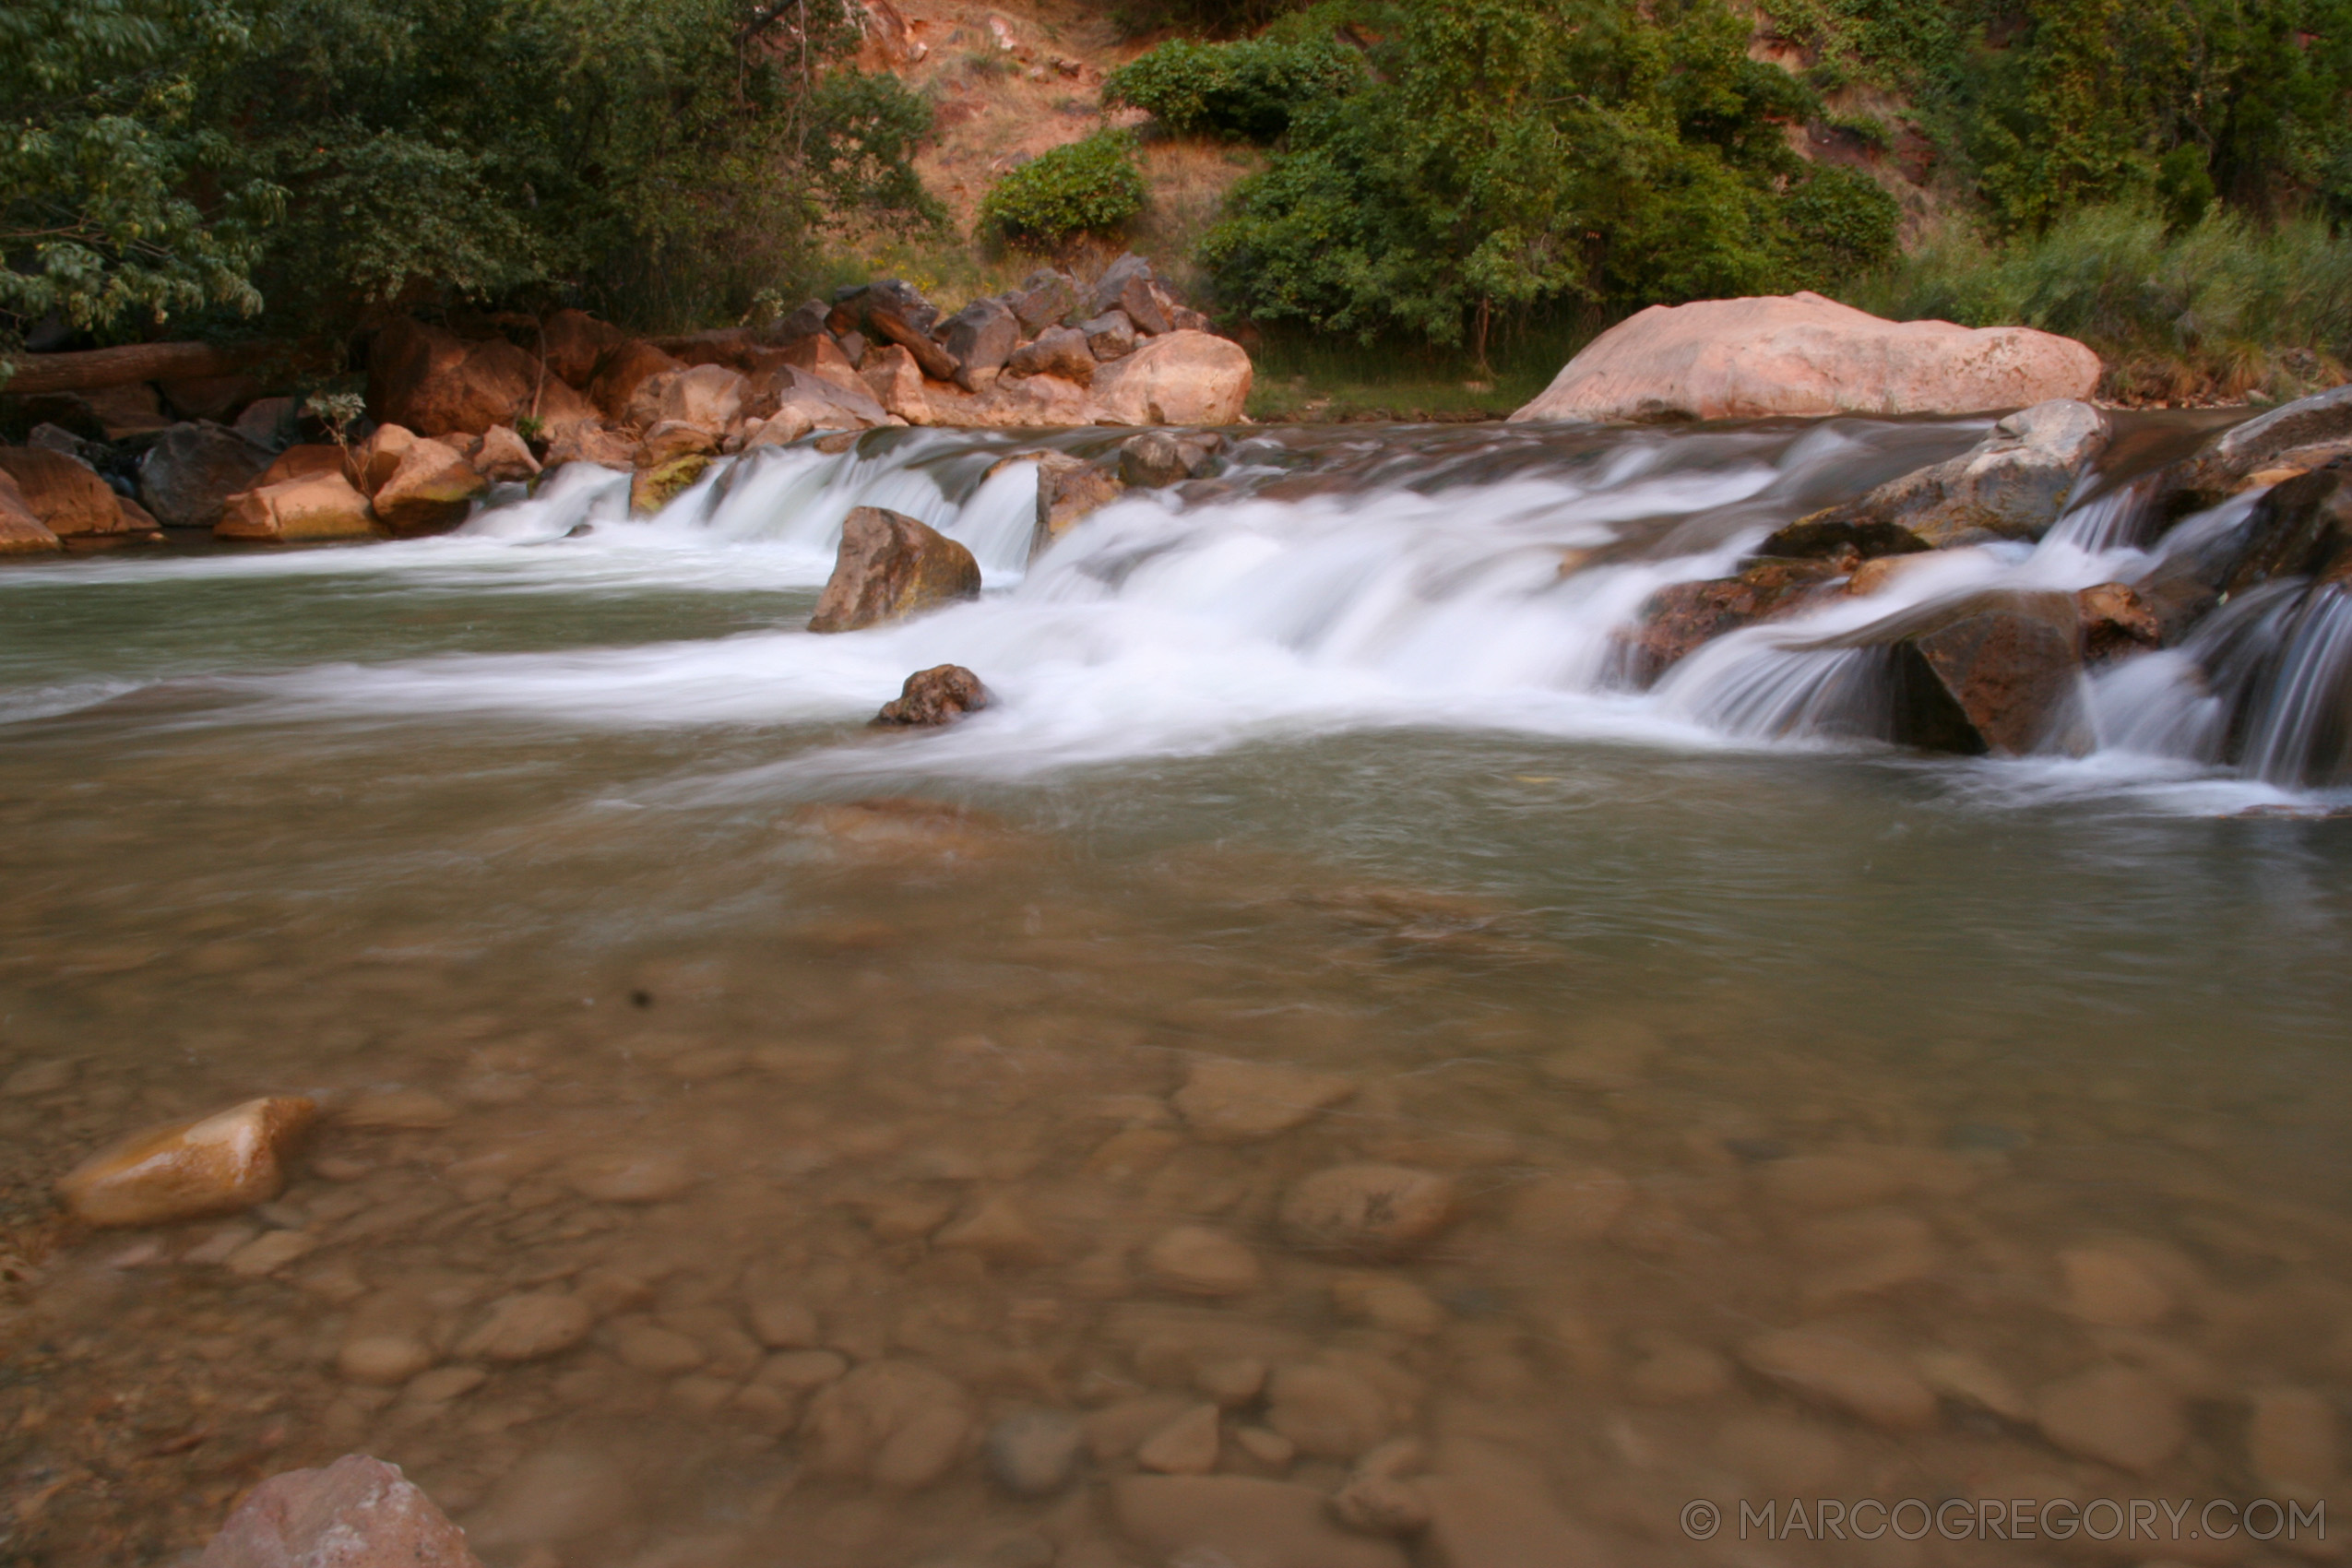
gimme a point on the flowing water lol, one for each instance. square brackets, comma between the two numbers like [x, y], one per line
[864, 1097]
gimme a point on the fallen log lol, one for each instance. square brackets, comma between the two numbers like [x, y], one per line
[92, 368]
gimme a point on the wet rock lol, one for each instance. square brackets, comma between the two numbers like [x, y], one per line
[783, 1324]
[1193, 1259]
[892, 567]
[1110, 335]
[2120, 1416]
[894, 1423]
[1185, 377]
[2291, 1441]
[432, 489]
[936, 696]
[1994, 672]
[1230, 1102]
[1573, 1205]
[187, 476]
[1802, 355]
[1034, 1452]
[555, 1496]
[1058, 350]
[1157, 457]
[1119, 1429]
[651, 488]
[1266, 1445]
[2115, 623]
[317, 507]
[1068, 491]
[2301, 528]
[1230, 1381]
[980, 337]
[624, 1177]
[528, 1325]
[1844, 1374]
[1378, 1497]
[218, 1164]
[1374, 1211]
[1862, 1253]
[269, 1252]
[1397, 1305]
[384, 1359]
[1970, 1380]
[661, 1351]
[1329, 1412]
[1044, 297]
[2303, 434]
[1240, 1520]
[2013, 484]
[1486, 1510]
[1681, 618]
[357, 1512]
[2111, 1288]
[1185, 1447]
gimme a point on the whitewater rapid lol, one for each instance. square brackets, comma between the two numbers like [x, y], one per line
[1430, 578]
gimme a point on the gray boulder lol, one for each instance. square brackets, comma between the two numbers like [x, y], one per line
[1110, 335]
[2295, 436]
[2013, 484]
[1058, 350]
[1995, 673]
[1044, 298]
[188, 475]
[982, 337]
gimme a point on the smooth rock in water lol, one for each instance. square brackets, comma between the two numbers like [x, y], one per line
[1180, 378]
[1157, 457]
[1230, 1380]
[1232, 1101]
[553, 1497]
[1802, 355]
[665, 1352]
[187, 477]
[1841, 1373]
[1043, 298]
[1185, 1447]
[1995, 673]
[1034, 1452]
[1109, 336]
[1058, 350]
[2301, 528]
[2291, 1441]
[1242, 1521]
[1329, 1412]
[894, 1423]
[67, 495]
[528, 1325]
[357, 1512]
[982, 337]
[1497, 1512]
[1681, 618]
[2120, 1416]
[1971, 1380]
[783, 1324]
[994, 1228]
[1397, 1305]
[323, 505]
[382, 1360]
[1069, 489]
[1374, 1211]
[1382, 1505]
[941, 694]
[2303, 434]
[431, 492]
[627, 369]
[230, 1160]
[2111, 1288]
[1193, 1259]
[652, 488]
[21, 532]
[630, 1178]
[2115, 623]
[2013, 484]
[891, 567]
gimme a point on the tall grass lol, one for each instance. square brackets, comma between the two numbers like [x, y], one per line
[2221, 311]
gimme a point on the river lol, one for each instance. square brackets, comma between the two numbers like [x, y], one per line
[877, 1093]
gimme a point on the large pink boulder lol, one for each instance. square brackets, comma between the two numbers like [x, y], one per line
[1802, 354]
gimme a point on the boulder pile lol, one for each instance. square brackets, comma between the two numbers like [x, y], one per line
[458, 407]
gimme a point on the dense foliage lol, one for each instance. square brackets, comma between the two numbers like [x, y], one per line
[1244, 91]
[1512, 155]
[1086, 187]
[657, 158]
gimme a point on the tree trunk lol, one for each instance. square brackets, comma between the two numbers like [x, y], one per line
[123, 366]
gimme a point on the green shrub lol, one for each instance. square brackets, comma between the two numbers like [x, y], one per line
[1246, 91]
[1086, 187]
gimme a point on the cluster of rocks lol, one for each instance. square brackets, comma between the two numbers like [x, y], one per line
[1997, 671]
[500, 401]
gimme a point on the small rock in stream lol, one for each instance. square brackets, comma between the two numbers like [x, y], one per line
[933, 697]
[218, 1164]
[357, 1512]
[1034, 1452]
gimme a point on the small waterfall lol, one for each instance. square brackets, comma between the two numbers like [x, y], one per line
[2298, 729]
